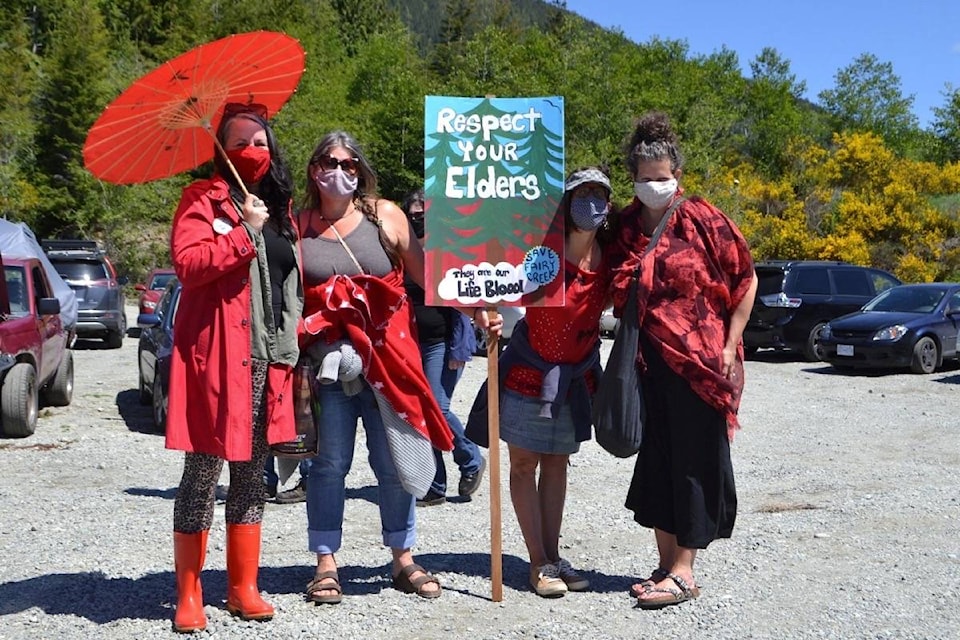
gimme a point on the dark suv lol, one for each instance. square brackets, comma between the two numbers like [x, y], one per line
[100, 303]
[795, 299]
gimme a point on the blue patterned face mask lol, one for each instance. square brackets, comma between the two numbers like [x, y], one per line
[588, 212]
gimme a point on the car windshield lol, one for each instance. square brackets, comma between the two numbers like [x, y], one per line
[80, 269]
[906, 299]
[160, 281]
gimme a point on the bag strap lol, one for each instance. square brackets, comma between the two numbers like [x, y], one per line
[343, 242]
[662, 225]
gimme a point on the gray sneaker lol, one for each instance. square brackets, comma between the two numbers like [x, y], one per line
[573, 580]
[297, 494]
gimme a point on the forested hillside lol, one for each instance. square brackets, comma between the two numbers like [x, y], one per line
[851, 177]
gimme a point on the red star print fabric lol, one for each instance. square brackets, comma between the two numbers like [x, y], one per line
[376, 317]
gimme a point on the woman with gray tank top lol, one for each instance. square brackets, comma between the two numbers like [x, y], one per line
[356, 248]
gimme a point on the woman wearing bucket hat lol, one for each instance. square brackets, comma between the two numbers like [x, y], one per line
[694, 295]
[549, 371]
[235, 249]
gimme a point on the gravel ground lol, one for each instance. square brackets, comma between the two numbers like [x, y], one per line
[847, 528]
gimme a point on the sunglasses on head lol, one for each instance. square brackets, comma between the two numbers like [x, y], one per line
[236, 108]
[350, 166]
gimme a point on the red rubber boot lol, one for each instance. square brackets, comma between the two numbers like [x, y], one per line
[243, 564]
[189, 551]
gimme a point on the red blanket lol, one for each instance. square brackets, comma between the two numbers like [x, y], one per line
[376, 317]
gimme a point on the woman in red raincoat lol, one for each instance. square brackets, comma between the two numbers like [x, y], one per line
[235, 345]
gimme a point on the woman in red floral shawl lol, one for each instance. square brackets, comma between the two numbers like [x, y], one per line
[695, 293]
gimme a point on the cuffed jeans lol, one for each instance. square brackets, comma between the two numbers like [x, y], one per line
[326, 487]
[443, 380]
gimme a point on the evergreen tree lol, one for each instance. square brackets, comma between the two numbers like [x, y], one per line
[773, 112]
[867, 96]
[74, 92]
[19, 75]
[946, 125]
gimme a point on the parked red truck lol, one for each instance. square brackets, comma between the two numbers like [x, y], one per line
[35, 363]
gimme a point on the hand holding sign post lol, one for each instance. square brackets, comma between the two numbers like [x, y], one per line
[493, 177]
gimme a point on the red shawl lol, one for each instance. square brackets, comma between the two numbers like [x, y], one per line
[375, 316]
[699, 272]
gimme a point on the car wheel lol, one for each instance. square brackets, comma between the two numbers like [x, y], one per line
[59, 391]
[159, 405]
[19, 401]
[481, 336]
[925, 356]
[114, 339]
[814, 350]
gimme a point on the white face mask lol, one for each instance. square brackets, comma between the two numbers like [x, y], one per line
[336, 182]
[655, 195]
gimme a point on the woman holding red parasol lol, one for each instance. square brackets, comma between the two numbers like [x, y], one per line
[235, 346]
[236, 252]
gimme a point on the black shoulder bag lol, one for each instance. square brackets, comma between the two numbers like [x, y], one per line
[618, 409]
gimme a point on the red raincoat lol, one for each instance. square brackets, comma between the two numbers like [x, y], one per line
[210, 404]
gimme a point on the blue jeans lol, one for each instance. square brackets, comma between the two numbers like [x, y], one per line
[443, 380]
[326, 487]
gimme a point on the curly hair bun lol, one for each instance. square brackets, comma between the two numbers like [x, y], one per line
[654, 127]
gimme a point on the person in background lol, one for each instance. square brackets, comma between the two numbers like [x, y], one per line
[271, 481]
[356, 248]
[447, 342]
[549, 370]
[695, 293]
[236, 328]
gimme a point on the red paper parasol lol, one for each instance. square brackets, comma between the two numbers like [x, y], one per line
[164, 122]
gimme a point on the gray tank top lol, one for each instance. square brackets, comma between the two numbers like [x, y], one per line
[325, 257]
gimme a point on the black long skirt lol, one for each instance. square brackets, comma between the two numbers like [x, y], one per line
[683, 478]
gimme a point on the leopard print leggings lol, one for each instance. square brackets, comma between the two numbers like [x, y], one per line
[193, 507]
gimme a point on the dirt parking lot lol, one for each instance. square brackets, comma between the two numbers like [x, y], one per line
[848, 526]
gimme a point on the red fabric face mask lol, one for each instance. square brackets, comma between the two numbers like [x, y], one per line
[252, 163]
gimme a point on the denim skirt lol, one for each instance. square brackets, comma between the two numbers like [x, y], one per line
[522, 426]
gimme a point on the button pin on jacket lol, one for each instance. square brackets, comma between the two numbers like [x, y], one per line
[222, 226]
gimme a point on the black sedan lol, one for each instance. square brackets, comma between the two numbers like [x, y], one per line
[911, 325]
[153, 353]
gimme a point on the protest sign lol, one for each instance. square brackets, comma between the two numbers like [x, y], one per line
[493, 177]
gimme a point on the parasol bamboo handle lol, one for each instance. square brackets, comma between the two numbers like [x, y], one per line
[493, 433]
[233, 169]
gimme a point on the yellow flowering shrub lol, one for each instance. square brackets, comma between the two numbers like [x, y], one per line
[850, 246]
[912, 268]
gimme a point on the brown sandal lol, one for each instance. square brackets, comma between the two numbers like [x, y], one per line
[658, 574]
[402, 582]
[316, 585]
[669, 596]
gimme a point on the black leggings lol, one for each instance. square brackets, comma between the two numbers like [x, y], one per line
[683, 479]
[193, 507]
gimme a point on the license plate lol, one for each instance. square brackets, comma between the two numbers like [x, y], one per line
[844, 349]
